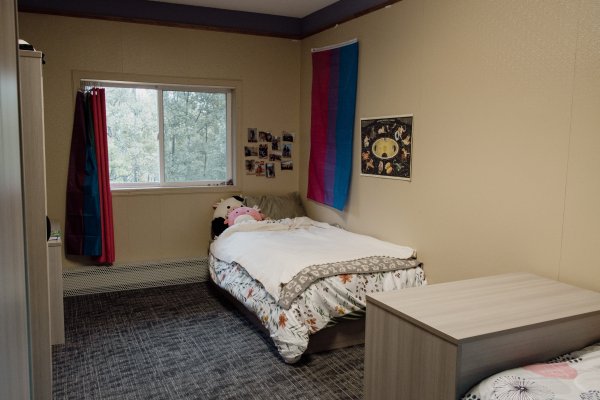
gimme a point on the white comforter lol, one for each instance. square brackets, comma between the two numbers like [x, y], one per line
[273, 252]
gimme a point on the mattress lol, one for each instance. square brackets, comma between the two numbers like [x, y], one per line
[320, 305]
[287, 255]
[573, 376]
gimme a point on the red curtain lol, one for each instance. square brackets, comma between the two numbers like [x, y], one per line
[98, 106]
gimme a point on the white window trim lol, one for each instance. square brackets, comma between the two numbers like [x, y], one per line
[160, 87]
[161, 135]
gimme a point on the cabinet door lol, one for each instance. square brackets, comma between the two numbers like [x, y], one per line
[14, 351]
[34, 202]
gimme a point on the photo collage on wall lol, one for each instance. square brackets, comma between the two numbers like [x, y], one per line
[264, 151]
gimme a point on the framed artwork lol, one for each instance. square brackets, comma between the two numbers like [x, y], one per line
[386, 146]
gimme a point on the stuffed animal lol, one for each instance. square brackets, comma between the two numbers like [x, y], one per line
[244, 214]
[222, 210]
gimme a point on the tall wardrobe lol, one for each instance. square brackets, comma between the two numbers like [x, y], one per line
[34, 205]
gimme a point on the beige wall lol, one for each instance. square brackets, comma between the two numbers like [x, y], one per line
[505, 97]
[171, 224]
[580, 263]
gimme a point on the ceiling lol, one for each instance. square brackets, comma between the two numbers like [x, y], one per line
[287, 8]
[294, 19]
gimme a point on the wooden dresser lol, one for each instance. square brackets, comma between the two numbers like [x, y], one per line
[435, 342]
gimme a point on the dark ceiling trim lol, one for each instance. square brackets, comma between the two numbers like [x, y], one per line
[338, 12]
[169, 14]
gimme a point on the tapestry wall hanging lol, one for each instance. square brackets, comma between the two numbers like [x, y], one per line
[386, 147]
[335, 70]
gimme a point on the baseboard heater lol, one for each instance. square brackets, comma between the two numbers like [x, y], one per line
[119, 277]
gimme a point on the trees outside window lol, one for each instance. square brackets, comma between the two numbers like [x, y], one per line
[161, 135]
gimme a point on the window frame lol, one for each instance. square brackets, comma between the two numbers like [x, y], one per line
[231, 153]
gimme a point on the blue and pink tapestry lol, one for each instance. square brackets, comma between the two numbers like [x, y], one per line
[335, 72]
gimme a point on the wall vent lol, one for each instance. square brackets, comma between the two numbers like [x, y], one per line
[95, 279]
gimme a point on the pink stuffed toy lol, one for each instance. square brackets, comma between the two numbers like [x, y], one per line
[243, 214]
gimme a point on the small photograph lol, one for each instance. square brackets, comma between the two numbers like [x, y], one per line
[263, 150]
[250, 151]
[287, 165]
[287, 150]
[287, 136]
[270, 170]
[259, 168]
[249, 167]
[264, 136]
[276, 143]
[252, 135]
[275, 156]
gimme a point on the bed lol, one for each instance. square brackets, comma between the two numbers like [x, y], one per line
[575, 375]
[305, 282]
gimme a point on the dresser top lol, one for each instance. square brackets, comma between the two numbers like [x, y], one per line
[30, 53]
[463, 310]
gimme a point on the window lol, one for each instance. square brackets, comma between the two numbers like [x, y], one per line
[161, 135]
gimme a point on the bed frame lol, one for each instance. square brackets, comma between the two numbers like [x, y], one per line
[344, 334]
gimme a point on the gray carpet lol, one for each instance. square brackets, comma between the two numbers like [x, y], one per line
[183, 342]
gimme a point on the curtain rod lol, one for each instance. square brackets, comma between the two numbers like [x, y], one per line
[85, 84]
[333, 46]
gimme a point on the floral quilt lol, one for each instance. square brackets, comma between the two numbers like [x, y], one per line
[574, 376]
[321, 305]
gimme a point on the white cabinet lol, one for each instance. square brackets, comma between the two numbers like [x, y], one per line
[34, 201]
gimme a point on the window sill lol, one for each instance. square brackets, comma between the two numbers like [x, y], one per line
[166, 190]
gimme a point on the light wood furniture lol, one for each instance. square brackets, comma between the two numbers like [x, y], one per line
[435, 342]
[34, 202]
[14, 344]
[57, 312]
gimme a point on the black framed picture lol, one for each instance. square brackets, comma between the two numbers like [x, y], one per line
[386, 146]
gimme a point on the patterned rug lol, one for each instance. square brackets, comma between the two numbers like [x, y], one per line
[183, 342]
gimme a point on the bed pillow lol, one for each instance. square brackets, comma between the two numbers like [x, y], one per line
[222, 209]
[278, 206]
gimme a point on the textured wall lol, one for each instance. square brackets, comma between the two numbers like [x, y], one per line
[158, 225]
[505, 97]
[580, 263]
